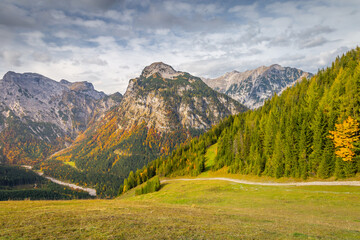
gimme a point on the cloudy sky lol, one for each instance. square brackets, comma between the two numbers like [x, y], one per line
[107, 42]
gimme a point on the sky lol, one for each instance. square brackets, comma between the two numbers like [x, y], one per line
[108, 42]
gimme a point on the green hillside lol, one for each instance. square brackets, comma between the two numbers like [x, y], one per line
[287, 137]
[193, 210]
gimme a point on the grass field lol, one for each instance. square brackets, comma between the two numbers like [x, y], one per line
[210, 155]
[193, 210]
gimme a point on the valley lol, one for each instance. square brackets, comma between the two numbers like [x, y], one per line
[92, 192]
[179, 119]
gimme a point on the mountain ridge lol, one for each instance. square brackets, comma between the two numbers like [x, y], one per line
[36, 108]
[253, 87]
[160, 109]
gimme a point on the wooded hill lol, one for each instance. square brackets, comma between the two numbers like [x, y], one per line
[287, 137]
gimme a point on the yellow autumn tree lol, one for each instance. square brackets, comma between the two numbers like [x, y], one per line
[344, 137]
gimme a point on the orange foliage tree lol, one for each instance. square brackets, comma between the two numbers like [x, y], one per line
[344, 137]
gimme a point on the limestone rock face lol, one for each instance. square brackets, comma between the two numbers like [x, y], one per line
[167, 99]
[165, 71]
[46, 110]
[253, 87]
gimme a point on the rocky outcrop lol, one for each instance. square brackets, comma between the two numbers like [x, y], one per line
[36, 108]
[253, 87]
[164, 70]
[166, 99]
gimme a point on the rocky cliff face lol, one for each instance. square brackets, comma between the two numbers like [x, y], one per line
[42, 115]
[253, 87]
[160, 109]
[166, 99]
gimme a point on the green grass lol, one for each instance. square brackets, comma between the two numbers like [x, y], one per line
[193, 210]
[210, 155]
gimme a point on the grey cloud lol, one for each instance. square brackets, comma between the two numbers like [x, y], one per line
[280, 41]
[157, 16]
[12, 16]
[95, 61]
[124, 67]
[327, 57]
[316, 30]
[245, 11]
[78, 5]
[307, 38]
[313, 42]
[41, 57]
[12, 58]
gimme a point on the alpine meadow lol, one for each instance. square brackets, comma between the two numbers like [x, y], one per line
[130, 119]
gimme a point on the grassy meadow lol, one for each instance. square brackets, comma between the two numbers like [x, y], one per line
[193, 210]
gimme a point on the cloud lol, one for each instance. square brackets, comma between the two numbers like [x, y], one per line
[41, 57]
[12, 58]
[13, 16]
[94, 61]
[316, 30]
[246, 11]
[328, 56]
[313, 42]
[117, 39]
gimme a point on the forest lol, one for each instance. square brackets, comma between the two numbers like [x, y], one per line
[17, 183]
[310, 130]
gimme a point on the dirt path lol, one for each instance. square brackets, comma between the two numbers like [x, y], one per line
[91, 191]
[318, 183]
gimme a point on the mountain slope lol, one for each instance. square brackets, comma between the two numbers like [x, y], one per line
[160, 109]
[41, 116]
[253, 87]
[287, 137]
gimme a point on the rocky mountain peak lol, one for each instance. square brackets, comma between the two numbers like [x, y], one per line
[253, 87]
[82, 86]
[166, 71]
[9, 75]
[276, 66]
[25, 77]
[65, 82]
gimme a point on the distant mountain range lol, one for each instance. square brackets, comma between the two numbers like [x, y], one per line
[39, 115]
[253, 87]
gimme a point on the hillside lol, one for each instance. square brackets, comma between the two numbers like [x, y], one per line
[193, 210]
[253, 87]
[160, 109]
[287, 137]
[42, 116]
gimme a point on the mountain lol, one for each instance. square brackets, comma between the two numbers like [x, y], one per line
[253, 87]
[287, 137]
[160, 109]
[42, 116]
